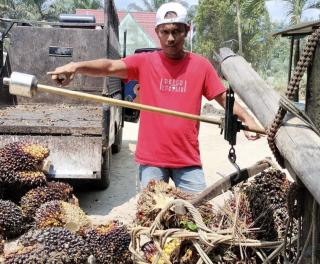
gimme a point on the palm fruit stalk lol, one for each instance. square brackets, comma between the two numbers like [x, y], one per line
[110, 243]
[33, 199]
[61, 214]
[12, 221]
[156, 196]
[51, 245]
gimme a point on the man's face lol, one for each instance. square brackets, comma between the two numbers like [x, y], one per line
[171, 38]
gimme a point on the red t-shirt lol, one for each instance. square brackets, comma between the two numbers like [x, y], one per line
[167, 141]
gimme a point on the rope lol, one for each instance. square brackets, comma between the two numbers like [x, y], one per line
[293, 86]
[204, 236]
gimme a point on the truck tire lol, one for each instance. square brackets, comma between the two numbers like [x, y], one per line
[116, 146]
[104, 182]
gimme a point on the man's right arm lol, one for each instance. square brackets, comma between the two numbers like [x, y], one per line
[97, 68]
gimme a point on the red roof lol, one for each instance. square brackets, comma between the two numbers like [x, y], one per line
[146, 20]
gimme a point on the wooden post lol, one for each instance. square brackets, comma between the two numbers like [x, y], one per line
[297, 143]
[311, 212]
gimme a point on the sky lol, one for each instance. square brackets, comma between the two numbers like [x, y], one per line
[277, 9]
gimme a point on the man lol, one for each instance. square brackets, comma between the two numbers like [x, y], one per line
[172, 78]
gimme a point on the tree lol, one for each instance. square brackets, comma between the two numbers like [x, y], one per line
[88, 4]
[152, 5]
[296, 9]
[217, 25]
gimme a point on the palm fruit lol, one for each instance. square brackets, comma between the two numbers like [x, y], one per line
[267, 195]
[150, 251]
[61, 214]
[51, 245]
[110, 243]
[30, 179]
[1, 244]
[33, 199]
[20, 164]
[156, 196]
[225, 215]
[175, 250]
[11, 219]
[22, 156]
[230, 255]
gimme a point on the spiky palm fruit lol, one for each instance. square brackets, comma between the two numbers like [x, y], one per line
[61, 214]
[156, 196]
[33, 199]
[150, 250]
[175, 250]
[110, 243]
[267, 195]
[20, 167]
[1, 244]
[225, 215]
[52, 245]
[22, 156]
[11, 219]
[30, 179]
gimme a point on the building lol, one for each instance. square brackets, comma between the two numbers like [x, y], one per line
[138, 25]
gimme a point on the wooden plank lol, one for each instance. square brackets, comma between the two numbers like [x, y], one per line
[313, 90]
[296, 142]
[71, 157]
[51, 119]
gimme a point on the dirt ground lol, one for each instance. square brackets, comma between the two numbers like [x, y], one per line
[118, 201]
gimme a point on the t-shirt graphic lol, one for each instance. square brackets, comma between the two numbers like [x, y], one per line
[173, 85]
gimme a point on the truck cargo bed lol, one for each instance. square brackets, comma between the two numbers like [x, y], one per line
[44, 119]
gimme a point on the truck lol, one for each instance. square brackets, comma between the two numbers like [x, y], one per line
[81, 135]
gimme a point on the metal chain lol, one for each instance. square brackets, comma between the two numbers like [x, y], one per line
[293, 86]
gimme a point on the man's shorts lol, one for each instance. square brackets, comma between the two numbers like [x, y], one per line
[188, 179]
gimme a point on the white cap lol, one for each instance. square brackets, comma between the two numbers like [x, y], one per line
[175, 7]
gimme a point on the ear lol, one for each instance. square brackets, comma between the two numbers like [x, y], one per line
[157, 30]
[187, 29]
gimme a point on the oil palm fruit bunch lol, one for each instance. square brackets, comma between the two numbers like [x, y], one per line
[61, 214]
[23, 156]
[51, 245]
[230, 255]
[1, 244]
[20, 164]
[267, 195]
[225, 215]
[34, 198]
[110, 243]
[177, 251]
[12, 221]
[156, 196]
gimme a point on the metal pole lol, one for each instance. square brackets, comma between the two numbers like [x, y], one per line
[290, 59]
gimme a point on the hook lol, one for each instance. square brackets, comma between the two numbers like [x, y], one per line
[232, 158]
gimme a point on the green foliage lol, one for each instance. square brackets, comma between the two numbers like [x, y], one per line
[188, 225]
[152, 5]
[216, 26]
